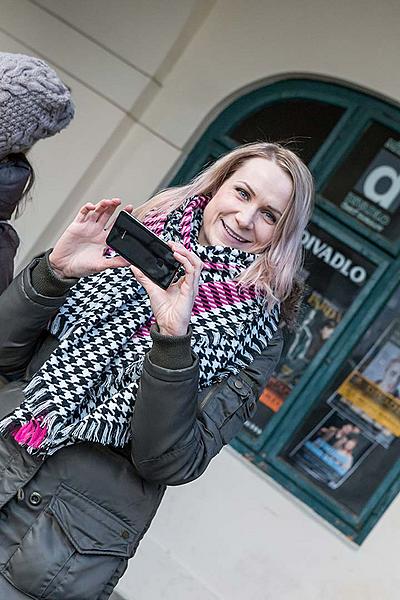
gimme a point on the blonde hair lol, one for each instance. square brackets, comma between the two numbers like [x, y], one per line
[274, 270]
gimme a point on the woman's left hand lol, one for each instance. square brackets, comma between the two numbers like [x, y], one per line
[172, 308]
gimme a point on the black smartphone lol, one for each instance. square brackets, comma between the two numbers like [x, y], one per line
[142, 248]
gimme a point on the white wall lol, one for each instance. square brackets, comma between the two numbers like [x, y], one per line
[146, 75]
[113, 55]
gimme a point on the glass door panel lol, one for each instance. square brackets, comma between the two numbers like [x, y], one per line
[334, 275]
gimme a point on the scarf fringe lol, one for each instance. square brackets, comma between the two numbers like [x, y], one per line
[33, 435]
[102, 433]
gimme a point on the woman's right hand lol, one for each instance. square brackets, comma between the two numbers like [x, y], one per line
[80, 249]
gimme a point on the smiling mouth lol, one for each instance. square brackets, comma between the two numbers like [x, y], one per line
[234, 235]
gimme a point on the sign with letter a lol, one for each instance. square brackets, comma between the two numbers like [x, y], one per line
[380, 183]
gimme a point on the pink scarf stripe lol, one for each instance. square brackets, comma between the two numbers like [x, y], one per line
[212, 296]
[230, 288]
[219, 266]
[186, 223]
[155, 222]
[186, 227]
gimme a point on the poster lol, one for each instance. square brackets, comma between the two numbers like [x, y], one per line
[366, 186]
[374, 386]
[332, 450]
[320, 318]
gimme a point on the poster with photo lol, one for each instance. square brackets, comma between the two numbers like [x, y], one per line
[371, 428]
[332, 450]
[320, 318]
[334, 274]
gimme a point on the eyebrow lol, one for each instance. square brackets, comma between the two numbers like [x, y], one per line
[252, 192]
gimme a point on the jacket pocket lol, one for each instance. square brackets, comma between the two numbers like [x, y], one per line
[73, 550]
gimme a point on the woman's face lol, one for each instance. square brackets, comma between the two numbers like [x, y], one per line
[245, 210]
[391, 377]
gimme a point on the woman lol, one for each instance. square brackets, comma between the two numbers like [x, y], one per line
[34, 104]
[391, 378]
[129, 392]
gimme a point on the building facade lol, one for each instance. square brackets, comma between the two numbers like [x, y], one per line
[303, 505]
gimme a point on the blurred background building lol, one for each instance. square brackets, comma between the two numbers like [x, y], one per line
[303, 505]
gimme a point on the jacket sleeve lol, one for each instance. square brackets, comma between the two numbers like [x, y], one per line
[24, 313]
[176, 431]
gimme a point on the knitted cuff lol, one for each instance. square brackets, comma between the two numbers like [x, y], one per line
[46, 282]
[170, 352]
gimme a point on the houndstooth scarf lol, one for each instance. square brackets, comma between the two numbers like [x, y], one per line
[86, 389]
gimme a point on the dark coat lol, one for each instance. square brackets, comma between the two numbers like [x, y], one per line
[15, 173]
[70, 523]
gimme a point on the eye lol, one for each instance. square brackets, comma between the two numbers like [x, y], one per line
[244, 194]
[269, 217]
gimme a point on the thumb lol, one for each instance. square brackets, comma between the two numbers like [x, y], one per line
[115, 262]
[142, 279]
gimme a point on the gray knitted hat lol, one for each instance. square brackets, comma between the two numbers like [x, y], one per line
[34, 102]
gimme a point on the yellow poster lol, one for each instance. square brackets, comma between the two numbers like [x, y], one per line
[382, 407]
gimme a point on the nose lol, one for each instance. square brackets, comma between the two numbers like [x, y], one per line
[245, 217]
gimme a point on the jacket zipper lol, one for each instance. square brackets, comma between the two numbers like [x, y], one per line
[208, 395]
[205, 400]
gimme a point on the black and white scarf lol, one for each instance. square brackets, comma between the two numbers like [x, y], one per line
[86, 389]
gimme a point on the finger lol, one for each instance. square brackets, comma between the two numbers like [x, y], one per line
[191, 275]
[91, 211]
[108, 222]
[84, 211]
[128, 208]
[196, 264]
[191, 256]
[104, 209]
[185, 261]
